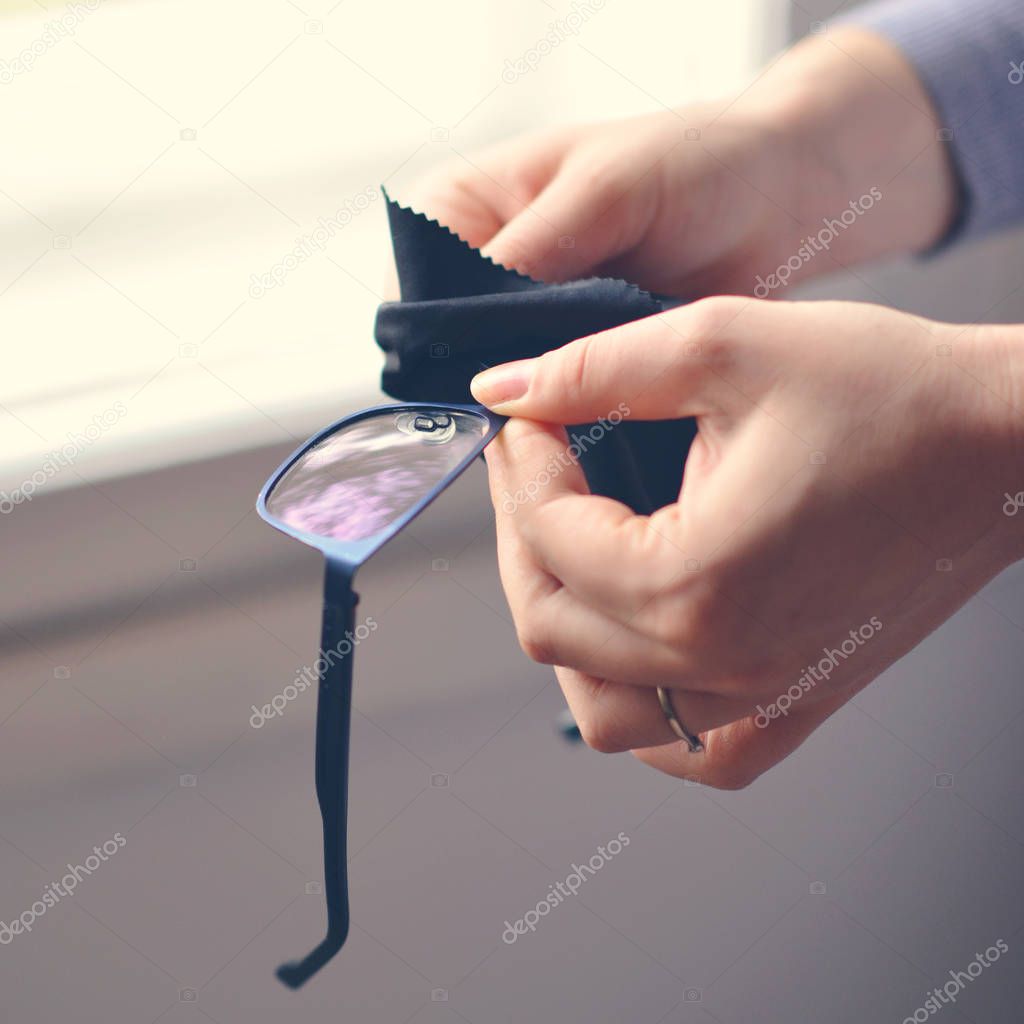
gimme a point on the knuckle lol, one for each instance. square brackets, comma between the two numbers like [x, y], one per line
[573, 365]
[519, 253]
[708, 325]
[711, 315]
[668, 575]
[602, 733]
[689, 617]
[598, 174]
[700, 618]
[536, 641]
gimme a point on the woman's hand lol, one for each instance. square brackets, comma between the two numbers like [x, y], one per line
[844, 496]
[716, 198]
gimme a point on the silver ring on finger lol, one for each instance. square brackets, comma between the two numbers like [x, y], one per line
[692, 740]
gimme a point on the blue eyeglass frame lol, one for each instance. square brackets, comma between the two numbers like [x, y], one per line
[334, 698]
[352, 554]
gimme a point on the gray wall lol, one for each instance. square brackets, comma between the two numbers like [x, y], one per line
[122, 674]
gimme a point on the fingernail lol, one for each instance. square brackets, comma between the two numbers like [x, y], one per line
[502, 384]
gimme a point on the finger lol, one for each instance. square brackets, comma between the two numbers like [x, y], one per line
[610, 558]
[613, 717]
[738, 753]
[477, 196]
[555, 628]
[533, 463]
[554, 625]
[455, 202]
[665, 366]
[561, 234]
[458, 203]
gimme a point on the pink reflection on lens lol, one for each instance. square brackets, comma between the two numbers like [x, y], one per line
[360, 480]
[354, 509]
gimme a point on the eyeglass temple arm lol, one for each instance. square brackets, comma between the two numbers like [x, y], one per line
[333, 717]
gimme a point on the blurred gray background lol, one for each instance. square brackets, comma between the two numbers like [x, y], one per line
[146, 609]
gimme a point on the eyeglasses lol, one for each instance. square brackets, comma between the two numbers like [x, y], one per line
[347, 491]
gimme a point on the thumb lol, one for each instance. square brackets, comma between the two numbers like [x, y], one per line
[661, 367]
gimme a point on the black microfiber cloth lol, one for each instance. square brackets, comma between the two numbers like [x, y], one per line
[461, 312]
